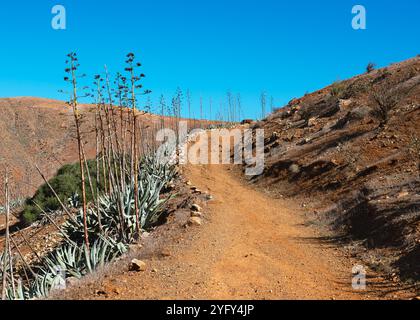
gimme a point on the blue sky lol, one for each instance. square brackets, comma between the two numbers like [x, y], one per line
[286, 48]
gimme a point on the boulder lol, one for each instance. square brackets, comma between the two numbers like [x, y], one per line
[137, 265]
[195, 207]
[194, 221]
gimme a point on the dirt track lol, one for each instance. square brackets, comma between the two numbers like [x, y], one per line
[256, 247]
[250, 246]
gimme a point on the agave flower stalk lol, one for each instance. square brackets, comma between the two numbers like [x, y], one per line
[134, 153]
[97, 142]
[117, 160]
[77, 117]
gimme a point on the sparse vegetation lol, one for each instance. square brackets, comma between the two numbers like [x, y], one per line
[356, 88]
[337, 89]
[118, 199]
[415, 151]
[370, 67]
[66, 184]
[385, 98]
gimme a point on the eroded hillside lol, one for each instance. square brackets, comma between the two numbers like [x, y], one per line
[351, 151]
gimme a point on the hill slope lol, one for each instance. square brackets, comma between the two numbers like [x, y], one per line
[42, 131]
[355, 164]
[34, 131]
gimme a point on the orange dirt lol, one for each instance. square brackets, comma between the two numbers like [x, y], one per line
[250, 246]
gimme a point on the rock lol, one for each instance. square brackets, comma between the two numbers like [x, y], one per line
[165, 253]
[294, 168]
[194, 221]
[312, 122]
[71, 281]
[195, 207]
[137, 265]
[402, 194]
[197, 191]
[134, 246]
[196, 214]
[188, 183]
[209, 197]
[100, 292]
[335, 162]
[345, 103]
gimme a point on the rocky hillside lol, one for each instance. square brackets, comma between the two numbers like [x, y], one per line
[41, 131]
[34, 131]
[351, 151]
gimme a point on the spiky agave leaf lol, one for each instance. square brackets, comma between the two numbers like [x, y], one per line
[101, 252]
[67, 259]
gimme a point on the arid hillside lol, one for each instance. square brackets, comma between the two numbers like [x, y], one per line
[351, 151]
[36, 131]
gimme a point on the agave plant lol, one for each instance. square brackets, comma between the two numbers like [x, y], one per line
[16, 292]
[121, 226]
[74, 200]
[101, 252]
[43, 284]
[67, 258]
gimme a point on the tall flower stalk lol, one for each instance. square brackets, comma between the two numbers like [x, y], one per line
[73, 65]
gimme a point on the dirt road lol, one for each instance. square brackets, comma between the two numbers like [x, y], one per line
[255, 247]
[250, 246]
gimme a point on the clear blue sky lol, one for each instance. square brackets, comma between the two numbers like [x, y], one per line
[286, 48]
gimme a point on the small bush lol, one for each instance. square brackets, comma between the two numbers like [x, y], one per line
[370, 67]
[30, 214]
[337, 89]
[386, 98]
[415, 151]
[356, 88]
[66, 183]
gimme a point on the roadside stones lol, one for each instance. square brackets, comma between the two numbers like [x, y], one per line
[195, 189]
[137, 265]
[165, 253]
[195, 207]
[196, 214]
[194, 221]
[135, 246]
[70, 281]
